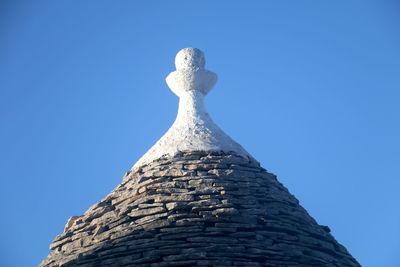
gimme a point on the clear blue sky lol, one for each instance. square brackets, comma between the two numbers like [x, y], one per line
[310, 88]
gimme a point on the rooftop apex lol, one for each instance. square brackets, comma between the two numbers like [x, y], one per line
[193, 129]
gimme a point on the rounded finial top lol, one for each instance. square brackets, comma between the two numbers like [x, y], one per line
[190, 74]
[190, 58]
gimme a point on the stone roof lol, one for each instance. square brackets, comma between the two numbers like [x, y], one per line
[196, 198]
[199, 208]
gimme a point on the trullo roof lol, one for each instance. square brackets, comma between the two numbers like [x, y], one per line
[196, 198]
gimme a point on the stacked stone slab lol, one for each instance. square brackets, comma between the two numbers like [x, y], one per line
[198, 209]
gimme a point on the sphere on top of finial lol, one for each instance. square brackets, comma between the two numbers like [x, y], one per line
[190, 58]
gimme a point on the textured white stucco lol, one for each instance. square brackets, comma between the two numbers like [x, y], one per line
[193, 129]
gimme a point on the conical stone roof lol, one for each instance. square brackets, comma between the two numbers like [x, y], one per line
[210, 206]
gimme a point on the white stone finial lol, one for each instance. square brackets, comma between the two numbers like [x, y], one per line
[190, 74]
[193, 129]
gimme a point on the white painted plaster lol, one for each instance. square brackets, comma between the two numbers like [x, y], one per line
[193, 129]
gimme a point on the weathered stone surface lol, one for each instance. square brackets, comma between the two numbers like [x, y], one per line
[227, 212]
[145, 212]
[177, 206]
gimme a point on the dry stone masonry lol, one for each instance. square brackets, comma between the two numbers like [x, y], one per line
[206, 207]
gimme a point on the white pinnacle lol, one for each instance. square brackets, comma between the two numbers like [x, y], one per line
[193, 129]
